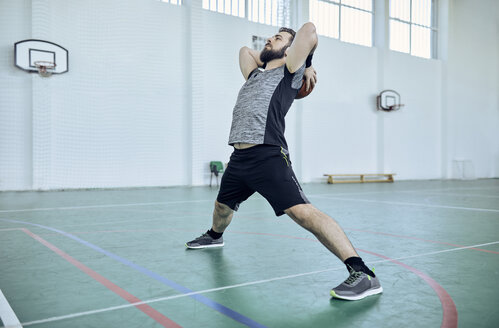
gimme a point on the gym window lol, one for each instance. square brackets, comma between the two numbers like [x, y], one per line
[174, 2]
[413, 27]
[347, 20]
[270, 12]
[228, 7]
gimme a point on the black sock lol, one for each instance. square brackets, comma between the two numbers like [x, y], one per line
[213, 234]
[356, 264]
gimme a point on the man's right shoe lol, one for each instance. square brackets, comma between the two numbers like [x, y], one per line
[205, 241]
[358, 286]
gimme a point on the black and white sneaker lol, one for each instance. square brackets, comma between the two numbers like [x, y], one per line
[358, 286]
[205, 241]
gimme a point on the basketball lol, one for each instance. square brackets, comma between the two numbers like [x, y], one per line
[302, 93]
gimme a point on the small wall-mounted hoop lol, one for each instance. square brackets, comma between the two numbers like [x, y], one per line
[388, 100]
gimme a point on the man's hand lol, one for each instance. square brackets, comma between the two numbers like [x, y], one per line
[310, 76]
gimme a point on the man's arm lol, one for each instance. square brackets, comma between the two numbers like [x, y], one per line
[303, 45]
[249, 59]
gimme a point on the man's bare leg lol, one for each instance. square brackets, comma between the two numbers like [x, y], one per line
[324, 228]
[362, 282]
[222, 216]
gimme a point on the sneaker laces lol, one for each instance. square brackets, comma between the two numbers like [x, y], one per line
[353, 277]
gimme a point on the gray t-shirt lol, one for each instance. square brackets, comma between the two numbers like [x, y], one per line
[262, 104]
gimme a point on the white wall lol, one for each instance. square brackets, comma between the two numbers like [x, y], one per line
[149, 94]
[412, 134]
[339, 118]
[473, 86]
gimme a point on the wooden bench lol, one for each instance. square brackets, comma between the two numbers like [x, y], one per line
[337, 178]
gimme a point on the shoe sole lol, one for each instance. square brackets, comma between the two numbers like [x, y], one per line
[367, 293]
[204, 246]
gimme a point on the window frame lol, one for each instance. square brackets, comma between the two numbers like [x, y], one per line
[433, 28]
[341, 5]
[253, 11]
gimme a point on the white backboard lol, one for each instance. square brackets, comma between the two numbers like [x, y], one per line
[27, 52]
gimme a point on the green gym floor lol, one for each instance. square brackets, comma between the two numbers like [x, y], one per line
[116, 258]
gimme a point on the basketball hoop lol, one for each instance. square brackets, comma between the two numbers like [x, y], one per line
[42, 57]
[45, 68]
[388, 100]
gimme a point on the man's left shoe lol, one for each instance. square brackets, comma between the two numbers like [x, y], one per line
[205, 241]
[358, 286]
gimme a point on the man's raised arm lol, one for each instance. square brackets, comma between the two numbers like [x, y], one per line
[303, 45]
[249, 59]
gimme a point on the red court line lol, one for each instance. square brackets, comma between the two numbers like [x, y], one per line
[449, 308]
[421, 239]
[157, 316]
[449, 315]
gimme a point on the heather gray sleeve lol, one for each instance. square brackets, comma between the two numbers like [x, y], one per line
[256, 70]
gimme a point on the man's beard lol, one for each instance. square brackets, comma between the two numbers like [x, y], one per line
[268, 54]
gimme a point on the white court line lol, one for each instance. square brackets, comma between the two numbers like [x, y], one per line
[397, 191]
[163, 218]
[160, 299]
[410, 204]
[445, 251]
[212, 200]
[9, 318]
[143, 220]
[114, 205]
[10, 229]
[104, 206]
[462, 195]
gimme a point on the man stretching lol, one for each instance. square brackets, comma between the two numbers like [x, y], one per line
[260, 161]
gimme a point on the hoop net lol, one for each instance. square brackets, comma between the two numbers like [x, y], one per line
[45, 68]
[395, 107]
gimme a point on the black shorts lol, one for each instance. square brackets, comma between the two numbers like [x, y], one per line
[265, 169]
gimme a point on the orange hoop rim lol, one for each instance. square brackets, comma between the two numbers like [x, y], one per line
[45, 68]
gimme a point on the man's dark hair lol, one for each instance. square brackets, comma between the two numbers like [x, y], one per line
[290, 31]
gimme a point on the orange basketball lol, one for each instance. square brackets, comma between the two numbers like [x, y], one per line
[302, 93]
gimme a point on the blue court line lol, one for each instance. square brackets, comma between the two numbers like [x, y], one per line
[198, 297]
